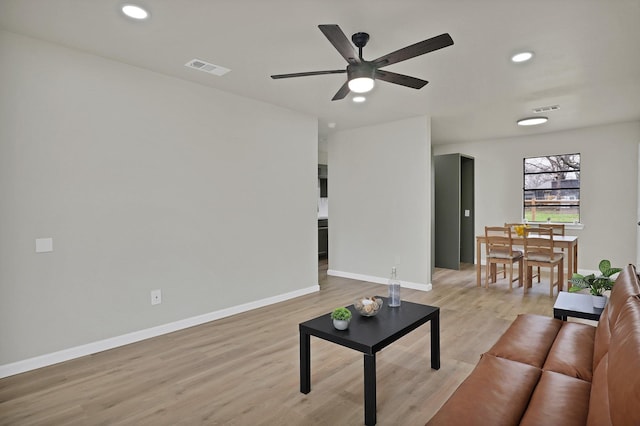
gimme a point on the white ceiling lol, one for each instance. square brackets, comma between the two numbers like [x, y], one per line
[587, 58]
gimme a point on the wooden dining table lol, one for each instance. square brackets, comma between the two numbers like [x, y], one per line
[568, 242]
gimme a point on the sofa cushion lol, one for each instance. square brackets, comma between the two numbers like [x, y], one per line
[495, 393]
[624, 366]
[505, 253]
[544, 257]
[626, 286]
[603, 335]
[528, 339]
[599, 398]
[572, 351]
[561, 398]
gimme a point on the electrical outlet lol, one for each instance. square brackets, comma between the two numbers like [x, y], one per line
[156, 297]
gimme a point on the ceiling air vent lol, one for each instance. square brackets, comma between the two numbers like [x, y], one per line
[546, 109]
[207, 67]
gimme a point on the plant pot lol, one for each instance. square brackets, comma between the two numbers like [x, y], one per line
[599, 301]
[341, 324]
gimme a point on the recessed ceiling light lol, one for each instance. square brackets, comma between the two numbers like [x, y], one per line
[522, 57]
[135, 12]
[331, 125]
[532, 121]
[359, 99]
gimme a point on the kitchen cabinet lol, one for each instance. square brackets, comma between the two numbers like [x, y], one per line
[322, 178]
[323, 237]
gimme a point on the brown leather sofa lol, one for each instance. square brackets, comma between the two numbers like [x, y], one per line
[543, 371]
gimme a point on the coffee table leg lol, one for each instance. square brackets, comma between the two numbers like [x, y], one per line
[305, 363]
[369, 389]
[435, 341]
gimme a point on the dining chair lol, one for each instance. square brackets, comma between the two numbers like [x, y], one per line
[539, 252]
[558, 228]
[499, 251]
[512, 226]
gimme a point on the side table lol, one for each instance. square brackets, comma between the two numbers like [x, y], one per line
[575, 305]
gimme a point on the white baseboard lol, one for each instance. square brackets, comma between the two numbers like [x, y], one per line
[378, 280]
[18, 367]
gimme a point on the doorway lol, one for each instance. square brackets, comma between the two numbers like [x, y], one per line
[454, 200]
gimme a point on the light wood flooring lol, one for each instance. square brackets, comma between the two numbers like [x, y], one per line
[243, 370]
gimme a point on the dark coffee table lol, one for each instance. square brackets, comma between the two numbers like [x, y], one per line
[575, 305]
[369, 335]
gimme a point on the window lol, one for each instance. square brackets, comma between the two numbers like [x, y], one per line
[551, 190]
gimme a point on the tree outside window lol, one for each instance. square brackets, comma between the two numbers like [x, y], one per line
[551, 190]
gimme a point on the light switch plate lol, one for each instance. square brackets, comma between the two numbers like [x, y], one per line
[467, 213]
[44, 245]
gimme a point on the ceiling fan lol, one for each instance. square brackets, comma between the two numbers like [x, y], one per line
[360, 73]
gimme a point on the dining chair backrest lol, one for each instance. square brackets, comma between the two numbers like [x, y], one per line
[539, 244]
[512, 226]
[499, 241]
[557, 228]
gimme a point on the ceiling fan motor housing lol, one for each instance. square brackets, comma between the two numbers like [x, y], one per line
[362, 70]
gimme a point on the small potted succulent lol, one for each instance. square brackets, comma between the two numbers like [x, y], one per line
[597, 285]
[341, 318]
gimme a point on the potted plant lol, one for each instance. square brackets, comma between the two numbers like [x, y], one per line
[597, 285]
[341, 318]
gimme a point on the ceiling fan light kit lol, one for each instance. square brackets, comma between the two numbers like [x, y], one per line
[361, 84]
[361, 78]
[361, 74]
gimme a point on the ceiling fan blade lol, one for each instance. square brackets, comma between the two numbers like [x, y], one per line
[401, 79]
[340, 94]
[340, 42]
[305, 74]
[426, 46]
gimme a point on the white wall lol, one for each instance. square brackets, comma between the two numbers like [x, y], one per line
[144, 182]
[608, 184]
[380, 191]
[323, 155]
